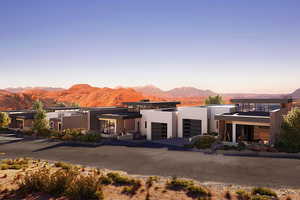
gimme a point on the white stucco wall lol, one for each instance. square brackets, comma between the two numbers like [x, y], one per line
[158, 116]
[196, 113]
[213, 110]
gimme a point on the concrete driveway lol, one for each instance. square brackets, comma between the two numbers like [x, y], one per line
[250, 171]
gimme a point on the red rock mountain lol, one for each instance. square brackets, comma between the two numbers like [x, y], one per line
[82, 94]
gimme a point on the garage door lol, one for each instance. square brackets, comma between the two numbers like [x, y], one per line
[191, 127]
[159, 131]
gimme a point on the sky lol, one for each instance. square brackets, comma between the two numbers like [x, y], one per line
[222, 45]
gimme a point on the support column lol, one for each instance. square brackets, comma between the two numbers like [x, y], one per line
[233, 132]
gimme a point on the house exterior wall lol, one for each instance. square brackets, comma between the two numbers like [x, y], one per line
[217, 110]
[75, 121]
[196, 113]
[276, 121]
[158, 116]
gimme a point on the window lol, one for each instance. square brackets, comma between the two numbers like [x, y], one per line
[145, 124]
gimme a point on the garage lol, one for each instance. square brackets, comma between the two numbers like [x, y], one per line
[191, 127]
[159, 131]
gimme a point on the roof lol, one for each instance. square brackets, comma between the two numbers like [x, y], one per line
[278, 100]
[152, 103]
[128, 115]
[261, 117]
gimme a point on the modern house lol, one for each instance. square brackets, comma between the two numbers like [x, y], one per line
[157, 118]
[199, 120]
[255, 120]
[22, 119]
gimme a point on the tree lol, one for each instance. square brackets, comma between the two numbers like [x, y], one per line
[40, 122]
[214, 100]
[4, 120]
[289, 138]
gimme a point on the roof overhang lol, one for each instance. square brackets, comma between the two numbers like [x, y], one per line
[279, 100]
[132, 115]
[243, 118]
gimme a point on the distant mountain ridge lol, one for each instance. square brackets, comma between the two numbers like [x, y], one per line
[22, 89]
[180, 92]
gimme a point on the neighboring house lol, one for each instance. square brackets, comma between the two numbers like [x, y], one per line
[68, 119]
[199, 120]
[22, 120]
[255, 120]
[158, 118]
[114, 121]
[159, 124]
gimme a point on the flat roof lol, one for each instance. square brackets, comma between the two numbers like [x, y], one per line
[129, 115]
[152, 102]
[245, 117]
[274, 100]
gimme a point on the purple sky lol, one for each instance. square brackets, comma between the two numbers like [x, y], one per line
[222, 45]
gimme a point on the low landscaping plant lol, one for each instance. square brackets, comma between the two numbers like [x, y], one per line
[179, 184]
[204, 142]
[198, 192]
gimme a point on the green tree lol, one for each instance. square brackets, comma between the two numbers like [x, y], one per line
[4, 120]
[214, 100]
[289, 138]
[40, 122]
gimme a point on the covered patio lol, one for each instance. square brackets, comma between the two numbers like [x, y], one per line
[122, 124]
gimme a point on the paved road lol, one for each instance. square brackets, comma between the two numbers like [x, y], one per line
[151, 161]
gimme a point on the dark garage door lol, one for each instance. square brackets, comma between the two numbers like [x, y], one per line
[159, 131]
[191, 127]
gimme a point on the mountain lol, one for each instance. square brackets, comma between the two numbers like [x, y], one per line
[82, 94]
[181, 92]
[190, 92]
[22, 89]
[296, 94]
[151, 90]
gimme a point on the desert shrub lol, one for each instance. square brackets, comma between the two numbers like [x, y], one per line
[179, 184]
[227, 195]
[90, 137]
[119, 179]
[263, 192]
[4, 166]
[83, 187]
[104, 180]
[243, 195]
[16, 164]
[259, 197]
[132, 189]
[151, 180]
[63, 165]
[35, 182]
[61, 183]
[204, 142]
[198, 192]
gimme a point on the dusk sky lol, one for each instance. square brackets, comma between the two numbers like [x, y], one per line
[222, 45]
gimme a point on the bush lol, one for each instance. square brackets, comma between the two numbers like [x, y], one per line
[61, 183]
[198, 192]
[258, 197]
[243, 195]
[63, 165]
[104, 180]
[16, 164]
[179, 184]
[204, 142]
[150, 180]
[263, 192]
[289, 138]
[83, 187]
